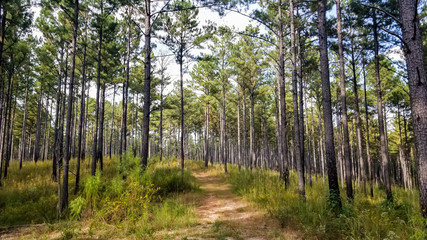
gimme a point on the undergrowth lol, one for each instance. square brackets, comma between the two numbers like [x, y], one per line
[120, 201]
[365, 218]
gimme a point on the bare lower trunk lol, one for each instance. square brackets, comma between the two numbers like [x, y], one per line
[24, 127]
[383, 143]
[98, 87]
[147, 87]
[417, 89]
[334, 190]
[346, 141]
[206, 134]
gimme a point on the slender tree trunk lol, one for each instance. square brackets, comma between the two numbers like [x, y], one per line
[24, 129]
[252, 131]
[244, 155]
[368, 151]
[112, 121]
[346, 141]
[239, 146]
[206, 134]
[55, 160]
[222, 133]
[123, 132]
[334, 191]
[358, 122]
[98, 86]
[101, 130]
[417, 89]
[38, 126]
[147, 89]
[82, 115]
[297, 136]
[383, 143]
[161, 117]
[64, 202]
[43, 156]
[313, 142]
[305, 162]
[283, 156]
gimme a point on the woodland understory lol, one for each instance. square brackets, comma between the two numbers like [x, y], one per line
[116, 114]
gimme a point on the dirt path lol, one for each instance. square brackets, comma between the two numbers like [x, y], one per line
[223, 215]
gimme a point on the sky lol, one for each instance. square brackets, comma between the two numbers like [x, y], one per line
[231, 19]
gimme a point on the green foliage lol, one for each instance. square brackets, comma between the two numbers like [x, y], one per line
[365, 218]
[92, 189]
[138, 205]
[76, 207]
[28, 195]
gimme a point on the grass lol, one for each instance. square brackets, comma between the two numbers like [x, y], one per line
[365, 218]
[112, 206]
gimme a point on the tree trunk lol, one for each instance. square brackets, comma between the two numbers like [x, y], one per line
[297, 136]
[334, 191]
[123, 132]
[82, 115]
[252, 131]
[112, 122]
[55, 160]
[283, 156]
[101, 130]
[383, 153]
[147, 88]
[161, 117]
[222, 133]
[24, 129]
[98, 86]
[38, 126]
[244, 155]
[239, 146]
[64, 202]
[346, 141]
[417, 89]
[206, 150]
[358, 122]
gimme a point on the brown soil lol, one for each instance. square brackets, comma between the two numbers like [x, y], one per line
[223, 215]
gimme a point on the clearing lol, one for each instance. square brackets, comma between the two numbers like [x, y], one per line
[224, 215]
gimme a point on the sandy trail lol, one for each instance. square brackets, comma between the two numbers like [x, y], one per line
[223, 215]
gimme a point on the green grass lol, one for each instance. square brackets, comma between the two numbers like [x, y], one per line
[138, 205]
[365, 218]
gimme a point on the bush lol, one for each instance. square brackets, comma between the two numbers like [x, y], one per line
[365, 218]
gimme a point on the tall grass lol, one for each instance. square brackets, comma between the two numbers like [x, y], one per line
[365, 218]
[122, 199]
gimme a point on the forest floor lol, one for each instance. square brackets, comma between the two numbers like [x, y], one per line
[220, 214]
[223, 215]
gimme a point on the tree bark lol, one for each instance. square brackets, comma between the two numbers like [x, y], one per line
[101, 145]
[112, 121]
[82, 114]
[147, 88]
[334, 191]
[64, 202]
[222, 133]
[38, 126]
[252, 131]
[98, 86]
[417, 89]
[297, 136]
[283, 157]
[55, 160]
[383, 143]
[346, 141]
[123, 132]
[24, 129]
[206, 150]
